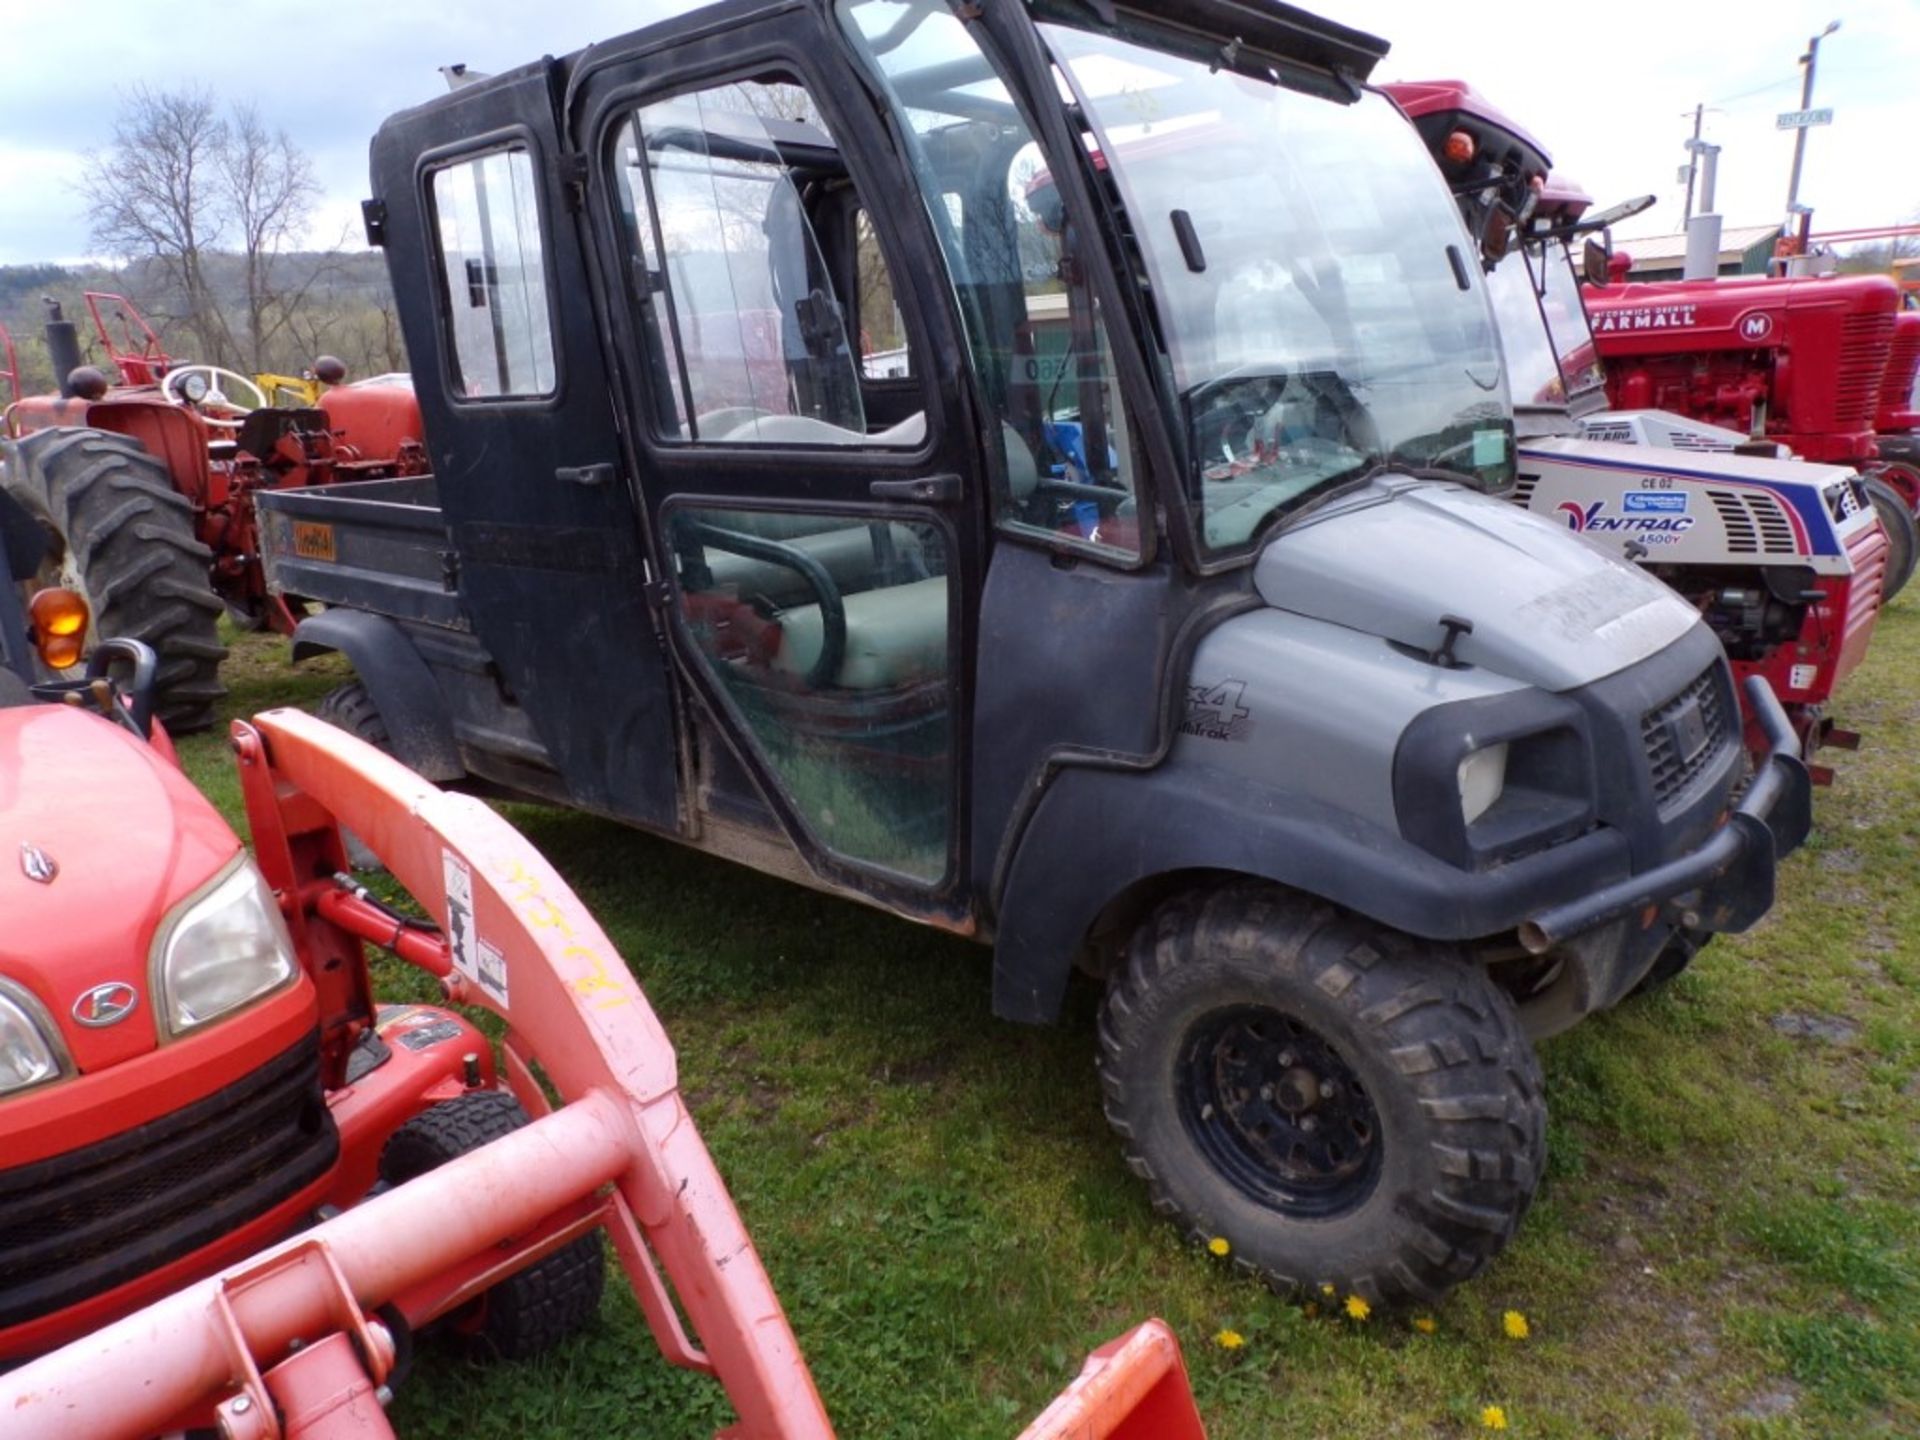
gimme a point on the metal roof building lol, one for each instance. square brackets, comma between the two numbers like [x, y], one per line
[1744, 250]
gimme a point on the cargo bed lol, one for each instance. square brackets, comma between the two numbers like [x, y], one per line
[378, 545]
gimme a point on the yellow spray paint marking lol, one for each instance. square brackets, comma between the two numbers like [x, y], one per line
[537, 910]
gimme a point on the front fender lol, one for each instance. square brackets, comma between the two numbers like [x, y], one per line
[1100, 833]
[398, 679]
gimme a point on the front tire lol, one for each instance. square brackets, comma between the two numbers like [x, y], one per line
[1903, 533]
[535, 1308]
[123, 536]
[1341, 1103]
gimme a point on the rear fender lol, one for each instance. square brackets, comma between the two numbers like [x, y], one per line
[170, 433]
[400, 681]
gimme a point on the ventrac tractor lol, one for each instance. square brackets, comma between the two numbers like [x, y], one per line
[1785, 561]
[1153, 611]
[145, 487]
[204, 1111]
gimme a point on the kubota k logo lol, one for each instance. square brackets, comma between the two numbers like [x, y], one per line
[106, 1004]
[1578, 517]
[36, 864]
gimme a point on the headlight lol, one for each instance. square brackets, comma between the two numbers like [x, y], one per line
[219, 949]
[1482, 776]
[27, 1053]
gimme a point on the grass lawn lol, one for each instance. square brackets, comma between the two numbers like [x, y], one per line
[1727, 1242]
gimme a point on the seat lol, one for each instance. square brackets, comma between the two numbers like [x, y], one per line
[845, 552]
[895, 637]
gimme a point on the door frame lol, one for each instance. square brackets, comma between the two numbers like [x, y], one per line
[681, 57]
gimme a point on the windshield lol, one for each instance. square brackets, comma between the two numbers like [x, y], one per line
[1543, 327]
[1320, 309]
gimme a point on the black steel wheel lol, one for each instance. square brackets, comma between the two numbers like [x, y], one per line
[535, 1308]
[1278, 1112]
[1342, 1104]
[122, 536]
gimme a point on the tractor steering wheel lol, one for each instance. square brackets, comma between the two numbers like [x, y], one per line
[213, 396]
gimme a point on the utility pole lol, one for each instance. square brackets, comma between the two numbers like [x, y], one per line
[1693, 161]
[1804, 218]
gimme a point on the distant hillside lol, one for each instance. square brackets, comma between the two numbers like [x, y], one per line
[345, 308]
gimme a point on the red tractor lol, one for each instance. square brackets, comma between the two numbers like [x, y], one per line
[145, 488]
[1805, 362]
[1899, 419]
[204, 1112]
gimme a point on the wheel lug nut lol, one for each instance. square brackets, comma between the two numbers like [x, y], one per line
[1286, 1057]
[1309, 1124]
[1266, 1093]
[1326, 1089]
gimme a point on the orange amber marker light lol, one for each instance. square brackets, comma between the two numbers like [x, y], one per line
[59, 619]
[1460, 147]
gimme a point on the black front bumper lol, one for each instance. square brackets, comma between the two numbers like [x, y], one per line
[1726, 883]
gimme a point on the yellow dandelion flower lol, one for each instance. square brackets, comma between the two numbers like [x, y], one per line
[1424, 1324]
[1229, 1339]
[1358, 1308]
[1219, 1246]
[1326, 1287]
[1515, 1324]
[1494, 1418]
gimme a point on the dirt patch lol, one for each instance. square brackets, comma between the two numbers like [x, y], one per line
[1834, 1029]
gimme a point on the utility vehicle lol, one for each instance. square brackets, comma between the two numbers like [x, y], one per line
[193, 1068]
[1786, 560]
[1196, 650]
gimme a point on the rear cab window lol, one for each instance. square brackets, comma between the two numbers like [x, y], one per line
[499, 319]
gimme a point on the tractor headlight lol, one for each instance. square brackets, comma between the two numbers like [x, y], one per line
[28, 1053]
[1482, 776]
[222, 947]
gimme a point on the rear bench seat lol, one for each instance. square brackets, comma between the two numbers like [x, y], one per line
[895, 636]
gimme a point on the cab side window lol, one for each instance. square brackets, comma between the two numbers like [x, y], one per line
[486, 216]
[733, 199]
[1037, 333]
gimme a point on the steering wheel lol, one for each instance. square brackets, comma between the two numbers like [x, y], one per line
[172, 387]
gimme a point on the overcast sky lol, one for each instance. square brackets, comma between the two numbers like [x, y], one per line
[1612, 102]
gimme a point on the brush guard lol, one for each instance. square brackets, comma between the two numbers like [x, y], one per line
[290, 1343]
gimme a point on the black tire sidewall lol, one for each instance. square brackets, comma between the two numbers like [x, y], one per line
[1349, 980]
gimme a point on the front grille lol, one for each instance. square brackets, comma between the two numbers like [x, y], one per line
[1896, 387]
[1864, 340]
[1685, 735]
[1867, 549]
[1755, 523]
[81, 1223]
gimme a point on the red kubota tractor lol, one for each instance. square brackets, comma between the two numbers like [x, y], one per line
[205, 1113]
[145, 487]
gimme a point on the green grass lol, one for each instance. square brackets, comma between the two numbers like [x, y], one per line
[1727, 1242]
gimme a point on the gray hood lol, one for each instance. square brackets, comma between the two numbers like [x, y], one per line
[1547, 607]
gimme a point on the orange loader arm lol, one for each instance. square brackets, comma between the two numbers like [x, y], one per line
[287, 1344]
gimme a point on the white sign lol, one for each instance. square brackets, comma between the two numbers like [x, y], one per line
[1801, 119]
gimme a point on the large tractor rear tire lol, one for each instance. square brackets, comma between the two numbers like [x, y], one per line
[1341, 1104]
[123, 537]
[1903, 533]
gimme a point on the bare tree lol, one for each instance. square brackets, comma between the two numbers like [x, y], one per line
[157, 195]
[181, 189]
[268, 189]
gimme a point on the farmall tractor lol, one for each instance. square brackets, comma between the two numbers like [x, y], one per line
[1786, 561]
[145, 487]
[1800, 362]
[234, 1187]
